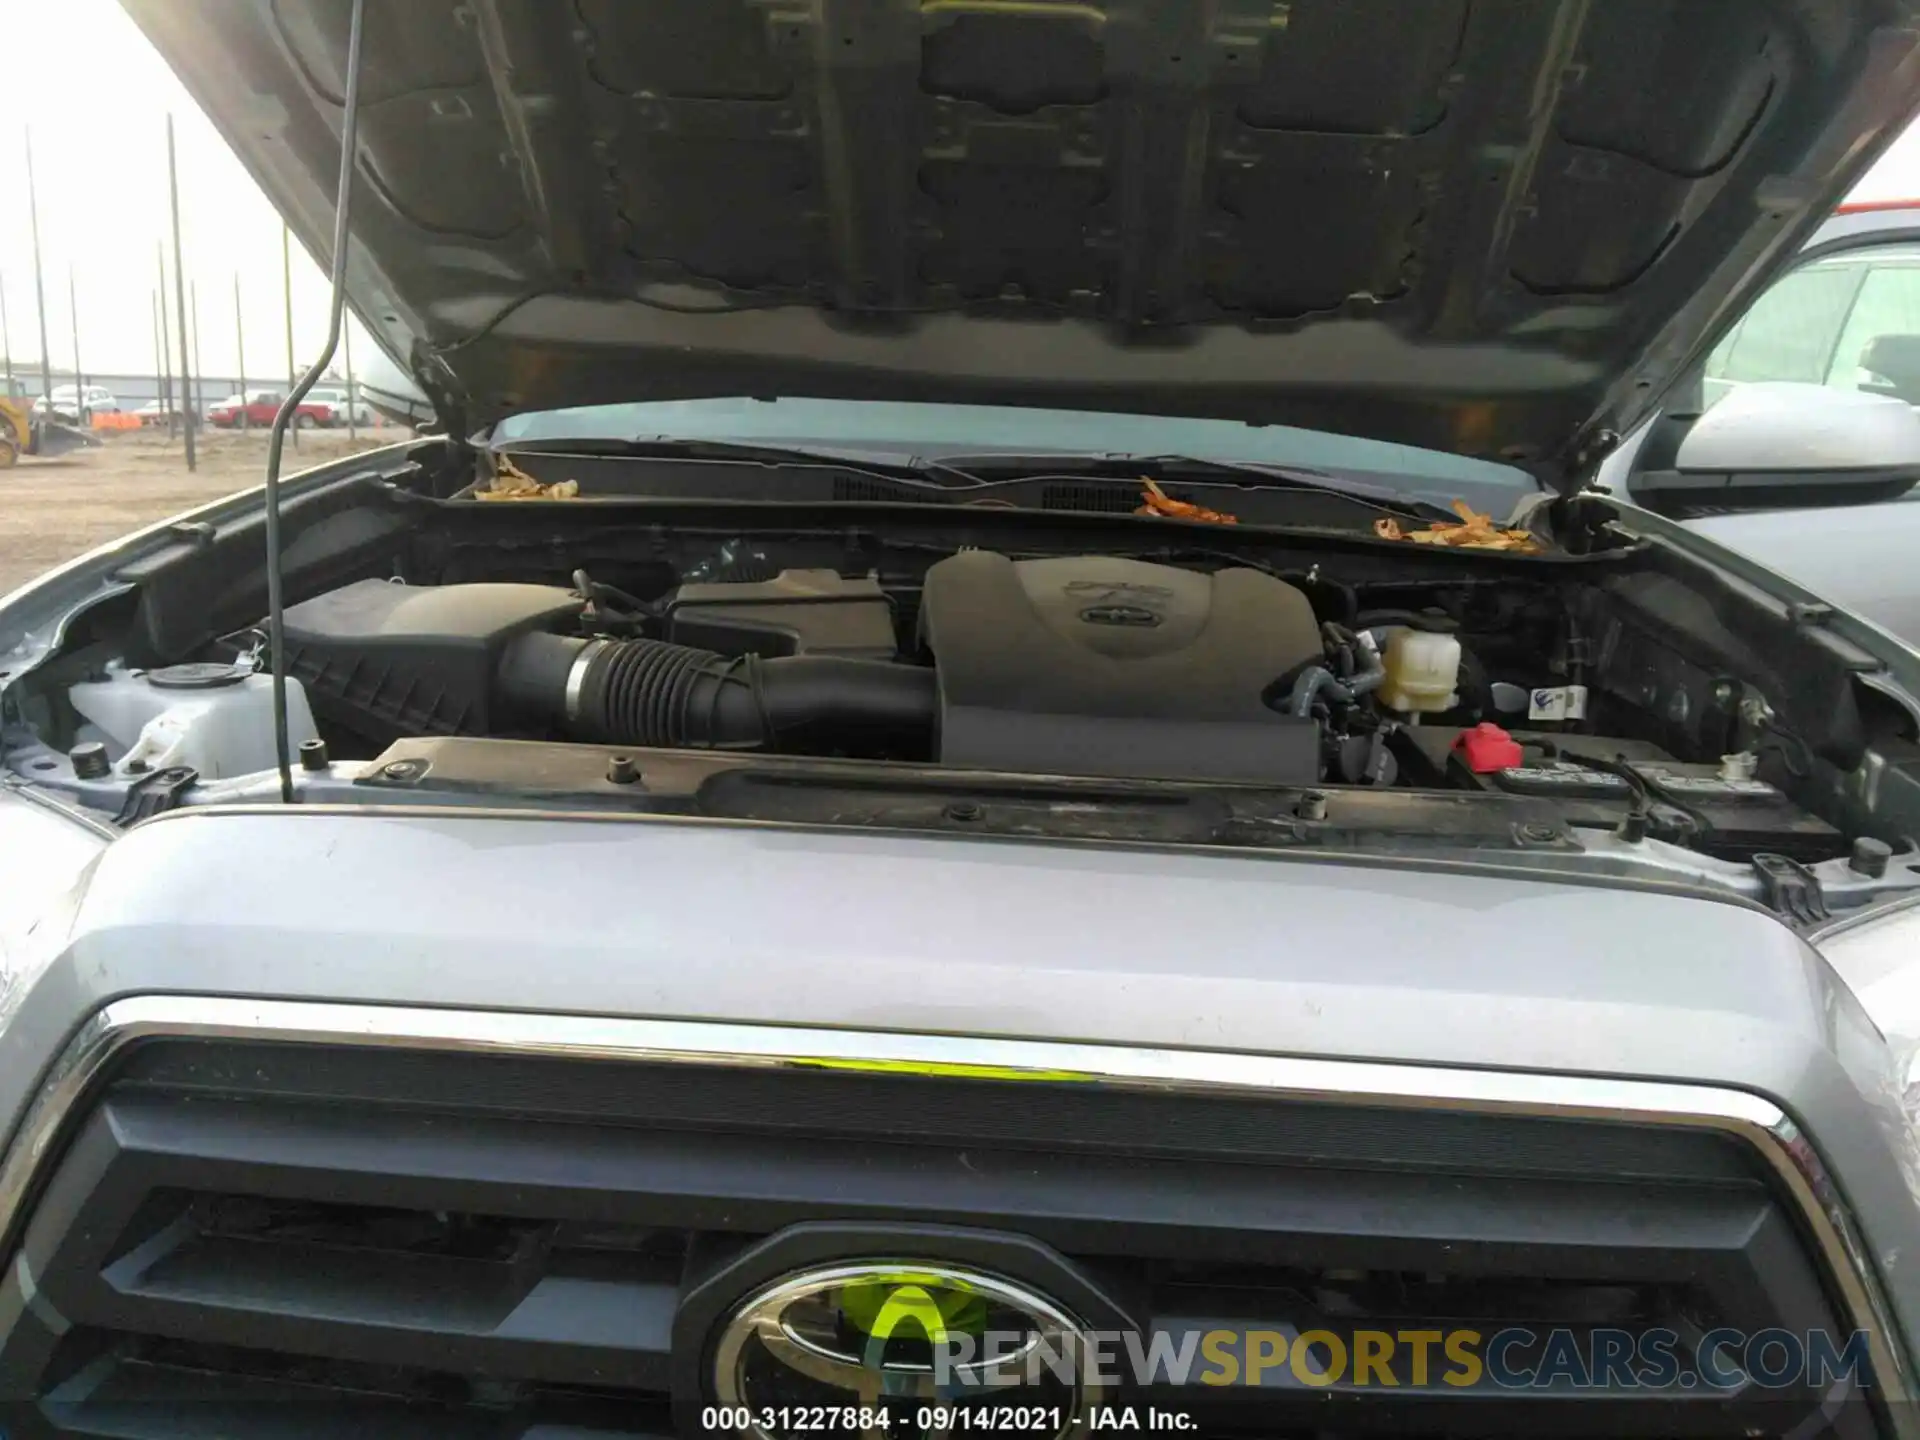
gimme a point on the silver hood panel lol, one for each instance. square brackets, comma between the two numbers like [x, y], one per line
[1492, 229]
[1120, 947]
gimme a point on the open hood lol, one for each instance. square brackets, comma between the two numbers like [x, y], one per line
[1494, 227]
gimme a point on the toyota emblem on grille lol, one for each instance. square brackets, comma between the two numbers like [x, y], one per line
[903, 1350]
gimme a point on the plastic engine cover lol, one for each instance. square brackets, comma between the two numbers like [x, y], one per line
[1094, 665]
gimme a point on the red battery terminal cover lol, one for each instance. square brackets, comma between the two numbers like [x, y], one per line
[1486, 748]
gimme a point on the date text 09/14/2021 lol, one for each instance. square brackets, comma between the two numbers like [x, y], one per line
[940, 1419]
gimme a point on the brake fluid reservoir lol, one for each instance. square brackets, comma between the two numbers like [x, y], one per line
[217, 719]
[1422, 669]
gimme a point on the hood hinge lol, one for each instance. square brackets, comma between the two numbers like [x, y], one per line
[1588, 451]
[442, 387]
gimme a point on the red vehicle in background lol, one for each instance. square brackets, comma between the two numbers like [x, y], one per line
[261, 406]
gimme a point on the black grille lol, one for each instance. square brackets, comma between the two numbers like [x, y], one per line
[288, 1240]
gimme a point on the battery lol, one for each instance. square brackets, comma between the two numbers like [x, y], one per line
[1691, 803]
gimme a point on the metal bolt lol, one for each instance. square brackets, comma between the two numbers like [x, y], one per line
[1536, 833]
[1312, 806]
[90, 760]
[1870, 857]
[964, 811]
[313, 755]
[621, 770]
[404, 770]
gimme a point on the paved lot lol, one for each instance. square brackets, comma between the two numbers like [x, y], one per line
[52, 510]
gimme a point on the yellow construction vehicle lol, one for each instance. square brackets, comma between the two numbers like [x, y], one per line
[22, 432]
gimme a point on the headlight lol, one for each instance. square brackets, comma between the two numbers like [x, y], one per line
[43, 854]
[1879, 959]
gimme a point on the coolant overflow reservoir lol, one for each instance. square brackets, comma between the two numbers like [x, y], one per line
[1422, 669]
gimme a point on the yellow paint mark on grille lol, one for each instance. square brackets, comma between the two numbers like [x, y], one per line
[949, 1069]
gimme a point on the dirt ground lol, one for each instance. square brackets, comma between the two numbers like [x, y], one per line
[52, 510]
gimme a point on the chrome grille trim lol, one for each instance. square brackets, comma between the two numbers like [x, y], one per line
[1754, 1121]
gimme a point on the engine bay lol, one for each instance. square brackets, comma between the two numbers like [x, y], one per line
[1087, 666]
[1074, 666]
[1608, 709]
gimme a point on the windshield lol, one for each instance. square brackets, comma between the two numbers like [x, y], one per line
[936, 431]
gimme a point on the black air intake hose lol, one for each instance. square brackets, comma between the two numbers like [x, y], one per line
[647, 692]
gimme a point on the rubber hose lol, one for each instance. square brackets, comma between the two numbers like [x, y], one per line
[651, 693]
[1317, 680]
[643, 694]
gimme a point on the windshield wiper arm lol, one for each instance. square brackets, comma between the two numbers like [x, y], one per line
[1296, 477]
[852, 459]
[1262, 475]
[991, 470]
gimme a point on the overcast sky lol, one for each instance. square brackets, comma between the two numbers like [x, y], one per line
[97, 98]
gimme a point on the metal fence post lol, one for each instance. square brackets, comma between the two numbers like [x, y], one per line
[168, 402]
[188, 419]
[39, 282]
[286, 291]
[240, 337]
[159, 346]
[346, 333]
[81, 411]
[199, 370]
[6, 337]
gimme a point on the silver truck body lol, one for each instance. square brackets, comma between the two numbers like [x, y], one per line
[629, 939]
[857, 203]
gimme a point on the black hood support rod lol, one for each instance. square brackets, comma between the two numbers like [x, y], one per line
[336, 309]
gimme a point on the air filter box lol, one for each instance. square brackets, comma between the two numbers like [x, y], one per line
[798, 612]
[387, 660]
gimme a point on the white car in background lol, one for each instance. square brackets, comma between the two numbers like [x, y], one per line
[98, 401]
[337, 399]
[158, 412]
[1846, 318]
